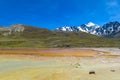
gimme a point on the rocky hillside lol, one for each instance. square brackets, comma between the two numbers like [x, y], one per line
[17, 28]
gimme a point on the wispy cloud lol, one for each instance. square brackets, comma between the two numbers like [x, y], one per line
[113, 9]
[112, 3]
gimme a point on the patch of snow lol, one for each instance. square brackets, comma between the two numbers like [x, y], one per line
[90, 24]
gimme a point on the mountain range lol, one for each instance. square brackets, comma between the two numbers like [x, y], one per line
[86, 35]
[111, 29]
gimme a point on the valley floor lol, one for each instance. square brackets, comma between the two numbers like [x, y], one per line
[60, 64]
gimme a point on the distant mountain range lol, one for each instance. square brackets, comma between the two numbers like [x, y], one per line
[86, 35]
[111, 29]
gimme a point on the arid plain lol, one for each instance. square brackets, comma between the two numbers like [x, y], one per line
[60, 64]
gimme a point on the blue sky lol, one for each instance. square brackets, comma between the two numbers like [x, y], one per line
[56, 13]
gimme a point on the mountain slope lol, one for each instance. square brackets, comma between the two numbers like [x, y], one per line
[112, 29]
[33, 32]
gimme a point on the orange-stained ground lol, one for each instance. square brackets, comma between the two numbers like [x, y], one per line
[53, 52]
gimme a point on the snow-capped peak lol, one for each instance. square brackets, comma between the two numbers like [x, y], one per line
[90, 24]
[88, 28]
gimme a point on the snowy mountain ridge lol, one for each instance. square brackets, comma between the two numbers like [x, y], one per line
[107, 29]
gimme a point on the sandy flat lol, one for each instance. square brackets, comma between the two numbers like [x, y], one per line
[73, 66]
